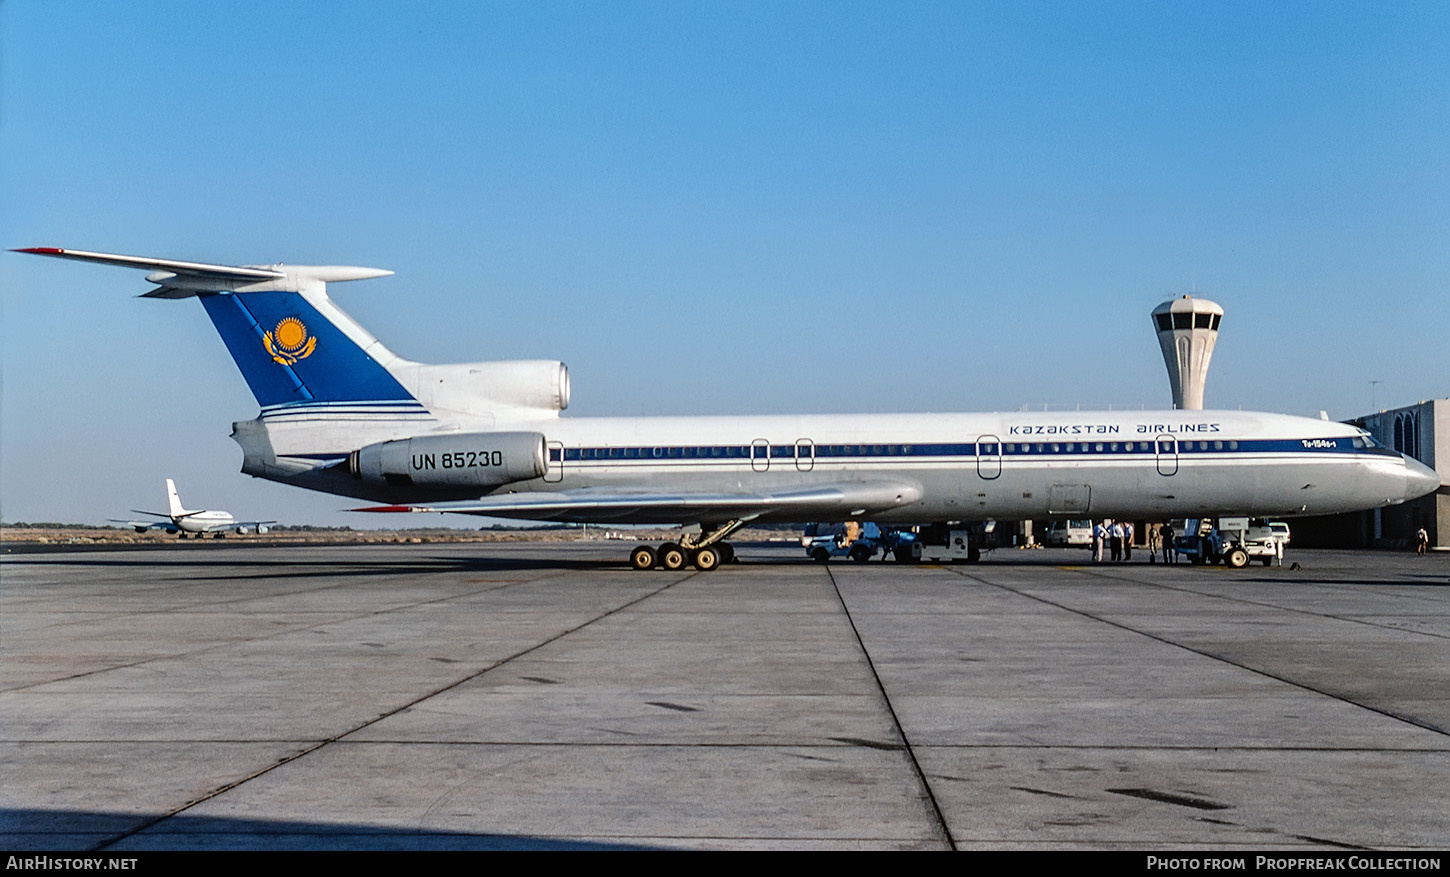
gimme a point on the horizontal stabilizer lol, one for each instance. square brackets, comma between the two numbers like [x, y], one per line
[178, 279]
[684, 507]
[140, 526]
[170, 517]
[197, 269]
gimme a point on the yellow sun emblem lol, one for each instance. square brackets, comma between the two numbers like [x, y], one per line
[289, 342]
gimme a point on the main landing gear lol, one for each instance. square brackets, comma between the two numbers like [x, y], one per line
[705, 551]
[672, 556]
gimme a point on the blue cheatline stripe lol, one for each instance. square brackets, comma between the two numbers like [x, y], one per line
[1012, 450]
[352, 405]
[408, 410]
[289, 353]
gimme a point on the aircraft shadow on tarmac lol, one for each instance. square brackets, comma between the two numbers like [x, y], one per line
[95, 831]
[1387, 581]
[390, 560]
[195, 568]
[192, 561]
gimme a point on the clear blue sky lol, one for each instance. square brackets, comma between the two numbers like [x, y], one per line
[715, 207]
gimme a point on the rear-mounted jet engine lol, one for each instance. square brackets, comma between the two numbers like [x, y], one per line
[470, 459]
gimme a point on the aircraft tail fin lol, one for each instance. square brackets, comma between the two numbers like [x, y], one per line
[293, 344]
[173, 501]
[300, 348]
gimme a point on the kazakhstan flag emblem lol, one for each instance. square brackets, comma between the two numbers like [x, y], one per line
[289, 342]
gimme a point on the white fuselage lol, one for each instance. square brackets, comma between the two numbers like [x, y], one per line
[208, 521]
[958, 466]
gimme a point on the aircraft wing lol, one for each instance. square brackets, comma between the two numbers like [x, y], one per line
[596, 505]
[144, 525]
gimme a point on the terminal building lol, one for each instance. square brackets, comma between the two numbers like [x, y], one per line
[1421, 431]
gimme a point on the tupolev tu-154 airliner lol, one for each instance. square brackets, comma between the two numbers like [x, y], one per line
[343, 414]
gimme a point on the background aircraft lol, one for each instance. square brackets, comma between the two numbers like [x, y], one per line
[183, 521]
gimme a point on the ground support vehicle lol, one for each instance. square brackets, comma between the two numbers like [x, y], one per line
[825, 541]
[1231, 541]
[954, 542]
[1069, 534]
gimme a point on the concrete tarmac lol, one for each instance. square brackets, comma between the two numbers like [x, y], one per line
[546, 696]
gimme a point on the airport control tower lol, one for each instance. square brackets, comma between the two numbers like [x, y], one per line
[1187, 329]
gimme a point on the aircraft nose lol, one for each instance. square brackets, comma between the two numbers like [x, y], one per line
[1419, 479]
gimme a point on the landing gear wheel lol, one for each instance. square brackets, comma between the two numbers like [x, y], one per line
[820, 555]
[974, 554]
[1267, 561]
[1237, 558]
[673, 557]
[902, 554]
[642, 558]
[707, 558]
[727, 552]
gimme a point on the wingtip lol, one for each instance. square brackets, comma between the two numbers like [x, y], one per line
[40, 251]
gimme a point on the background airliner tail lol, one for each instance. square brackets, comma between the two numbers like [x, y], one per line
[173, 501]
